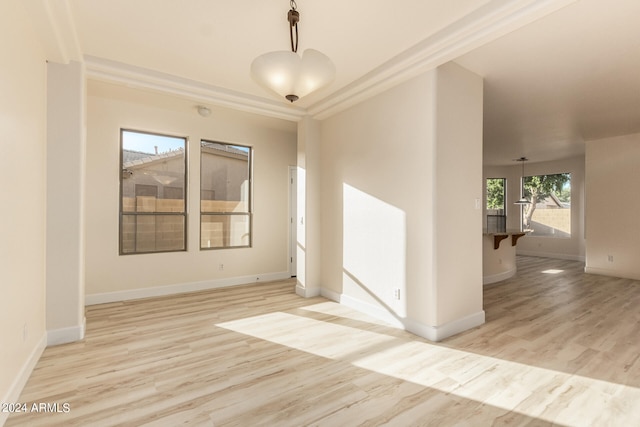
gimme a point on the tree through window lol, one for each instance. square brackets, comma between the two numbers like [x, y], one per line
[549, 213]
[495, 196]
[495, 205]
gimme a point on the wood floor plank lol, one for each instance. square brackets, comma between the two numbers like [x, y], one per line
[560, 347]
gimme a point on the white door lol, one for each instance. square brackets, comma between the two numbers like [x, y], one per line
[293, 240]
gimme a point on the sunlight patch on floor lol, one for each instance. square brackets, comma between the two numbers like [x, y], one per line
[529, 390]
[552, 271]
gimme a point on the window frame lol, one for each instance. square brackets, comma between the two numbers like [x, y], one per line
[495, 222]
[122, 214]
[248, 213]
[504, 195]
[527, 195]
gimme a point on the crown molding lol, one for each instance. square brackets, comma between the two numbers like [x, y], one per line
[493, 20]
[142, 78]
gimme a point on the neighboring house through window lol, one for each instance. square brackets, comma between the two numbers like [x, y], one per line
[152, 193]
[225, 195]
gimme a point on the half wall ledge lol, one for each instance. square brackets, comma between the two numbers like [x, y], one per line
[499, 261]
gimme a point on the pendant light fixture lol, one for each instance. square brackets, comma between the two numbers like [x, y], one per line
[289, 75]
[522, 200]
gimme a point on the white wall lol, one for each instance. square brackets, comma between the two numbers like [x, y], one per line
[308, 217]
[111, 276]
[572, 248]
[65, 202]
[613, 180]
[22, 216]
[458, 200]
[400, 175]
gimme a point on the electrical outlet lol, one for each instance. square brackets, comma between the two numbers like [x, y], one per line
[221, 267]
[396, 293]
[610, 258]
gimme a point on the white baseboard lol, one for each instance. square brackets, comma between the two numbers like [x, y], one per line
[432, 333]
[66, 335]
[494, 278]
[13, 395]
[446, 330]
[555, 255]
[374, 311]
[306, 292]
[612, 273]
[158, 291]
[333, 296]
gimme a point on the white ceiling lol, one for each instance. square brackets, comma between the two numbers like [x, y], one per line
[569, 73]
[214, 41]
[569, 77]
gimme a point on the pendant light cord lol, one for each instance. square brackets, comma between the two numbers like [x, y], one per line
[293, 17]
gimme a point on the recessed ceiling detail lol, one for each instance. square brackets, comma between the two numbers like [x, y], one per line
[556, 72]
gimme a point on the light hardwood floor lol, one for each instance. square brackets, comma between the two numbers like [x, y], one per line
[559, 348]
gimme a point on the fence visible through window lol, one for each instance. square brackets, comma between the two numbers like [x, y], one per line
[225, 195]
[549, 211]
[152, 193]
